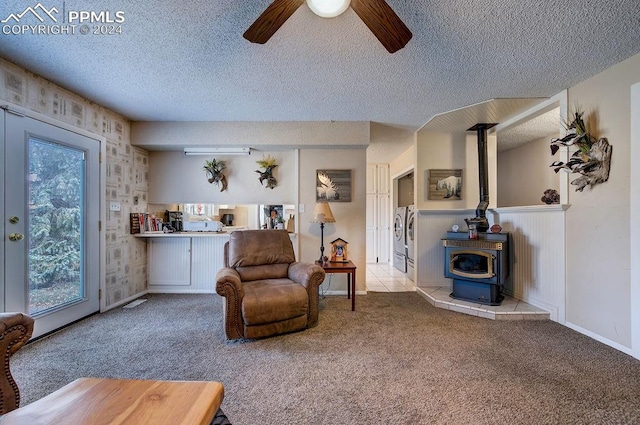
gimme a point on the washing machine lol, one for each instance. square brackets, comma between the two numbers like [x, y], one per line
[400, 239]
[411, 245]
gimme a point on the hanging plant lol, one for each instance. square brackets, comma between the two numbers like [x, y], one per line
[268, 163]
[214, 171]
[592, 159]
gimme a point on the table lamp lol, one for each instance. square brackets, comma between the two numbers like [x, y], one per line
[322, 214]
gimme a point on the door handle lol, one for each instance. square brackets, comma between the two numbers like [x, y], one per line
[16, 237]
[14, 220]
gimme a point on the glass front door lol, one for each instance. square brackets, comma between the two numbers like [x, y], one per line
[51, 214]
[56, 218]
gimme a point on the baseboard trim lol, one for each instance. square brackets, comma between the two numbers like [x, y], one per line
[600, 338]
[342, 293]
[180, 291]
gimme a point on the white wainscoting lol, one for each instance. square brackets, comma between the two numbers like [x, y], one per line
[537, 250]
[207, 257]
[432, 226]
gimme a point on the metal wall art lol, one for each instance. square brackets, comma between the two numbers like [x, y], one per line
[268, 164]
[592, 159]
[214, 171]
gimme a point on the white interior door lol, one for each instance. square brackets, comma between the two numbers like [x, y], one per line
[50, 222]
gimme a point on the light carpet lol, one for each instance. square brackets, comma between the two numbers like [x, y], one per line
[396, 359]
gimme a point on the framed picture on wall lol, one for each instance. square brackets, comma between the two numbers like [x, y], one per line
[443, 185]
[333, 185]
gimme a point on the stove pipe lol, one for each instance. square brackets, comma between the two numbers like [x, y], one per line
[480, 220]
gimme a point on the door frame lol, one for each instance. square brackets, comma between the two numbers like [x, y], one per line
[634, 227]
[15, 109]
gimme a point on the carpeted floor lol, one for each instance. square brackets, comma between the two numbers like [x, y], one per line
[396, 360]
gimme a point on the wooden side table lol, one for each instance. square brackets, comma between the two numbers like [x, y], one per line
[343, 267]
[93, 401]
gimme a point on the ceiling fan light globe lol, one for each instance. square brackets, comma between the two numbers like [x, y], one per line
[328, 8]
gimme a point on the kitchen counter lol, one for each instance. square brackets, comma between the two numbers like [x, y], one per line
[180, 234]
[185, 262]
[188, 234]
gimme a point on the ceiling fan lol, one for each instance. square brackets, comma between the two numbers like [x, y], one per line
[376, 14]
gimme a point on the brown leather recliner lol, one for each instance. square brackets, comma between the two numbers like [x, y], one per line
[15, 331]
[266, 291]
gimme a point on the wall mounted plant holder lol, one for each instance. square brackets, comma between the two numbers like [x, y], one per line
[214, 170]
[268, 164]
[592, 159]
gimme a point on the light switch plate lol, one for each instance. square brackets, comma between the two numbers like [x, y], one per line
[114, 206]
[301, 208]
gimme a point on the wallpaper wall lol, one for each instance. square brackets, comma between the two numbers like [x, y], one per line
[126, 171]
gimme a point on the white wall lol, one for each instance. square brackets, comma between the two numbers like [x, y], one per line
[598, 222]
[176, 178]
[350, 216]
[635, 226]
[453, 151]
[402, 163]
[524, 174]
[388, 142]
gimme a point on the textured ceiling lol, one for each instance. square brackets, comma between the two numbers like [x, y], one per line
[546, 125]
[188, 61]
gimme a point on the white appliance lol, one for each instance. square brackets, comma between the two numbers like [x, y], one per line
[202, 226]
[400, 239]
[411, 244]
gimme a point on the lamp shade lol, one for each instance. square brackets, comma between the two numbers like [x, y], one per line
[322, 213]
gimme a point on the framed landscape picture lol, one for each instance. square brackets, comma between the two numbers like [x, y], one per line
[443, 185]
[333, 185]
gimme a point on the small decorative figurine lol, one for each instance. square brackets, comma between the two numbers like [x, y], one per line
[339, 251]
[550, 196]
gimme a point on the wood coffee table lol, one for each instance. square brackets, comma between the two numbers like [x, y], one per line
[343, 267]
[98, 401]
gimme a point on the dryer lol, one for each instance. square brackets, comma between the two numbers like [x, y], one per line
[400, 239]
[411, 245]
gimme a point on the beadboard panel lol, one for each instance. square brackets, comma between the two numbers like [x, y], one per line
[537, 250]
[538, 255]
[432, 226]
[207, 257]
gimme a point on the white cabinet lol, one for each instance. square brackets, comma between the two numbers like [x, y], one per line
[207, 257]
[383, 178]
[378, 221]
[384, 228]
[186, 264]
[377, 178]
[169, 262]
[371, 178]
[372, 228]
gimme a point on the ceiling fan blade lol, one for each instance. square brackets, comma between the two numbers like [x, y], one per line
[383, 23]
[271, 20]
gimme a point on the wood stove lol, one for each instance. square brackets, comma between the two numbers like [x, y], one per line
[479, 267]
[477, 261]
